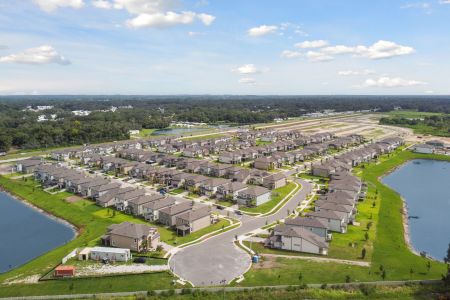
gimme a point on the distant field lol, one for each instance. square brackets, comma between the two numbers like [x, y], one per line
[410, 114]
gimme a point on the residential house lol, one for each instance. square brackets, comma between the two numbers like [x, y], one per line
[167, 215]
[253, 196]
[136, 237]
[299, 239]
[193, 220]
[275, 181]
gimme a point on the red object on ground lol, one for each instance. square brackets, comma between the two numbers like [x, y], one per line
[64, 271]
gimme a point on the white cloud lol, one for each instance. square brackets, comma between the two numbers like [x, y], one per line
[392, 82]
[379, 50]
[291, 54]
[312, 44]
[51, 5]
[194, 33]
[356, 73]
[248, 69]
[315, 56]
[247, 80]
[146, 6]
[206, 19]
[39, 55]
[444, 1]
[103, 4]
[424, 5]
[262, 30]
[161, 19]
[155, 13]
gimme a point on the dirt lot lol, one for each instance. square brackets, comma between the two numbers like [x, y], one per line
[73, 199]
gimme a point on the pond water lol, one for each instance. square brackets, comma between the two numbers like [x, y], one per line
[26, 233]
[178, 131]
[187, 131]
[425, 186]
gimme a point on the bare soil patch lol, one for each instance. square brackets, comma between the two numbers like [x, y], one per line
[73, 199]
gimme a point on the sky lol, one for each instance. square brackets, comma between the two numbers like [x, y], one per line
[257, 47]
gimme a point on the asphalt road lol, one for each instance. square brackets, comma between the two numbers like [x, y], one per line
[217, 260]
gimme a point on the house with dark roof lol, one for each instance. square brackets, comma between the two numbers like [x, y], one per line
[150, 210]
[335, 220]
[193, 220]
[275, 181]
[136, 237]
[28, 166]
[253, 196]
[265, 163]
[135, 206]
[209, 187]
[317, 226]
[299, 239]
[230, 190]
[167, 215]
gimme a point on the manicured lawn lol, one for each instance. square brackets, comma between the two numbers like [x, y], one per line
[225, 203]
[386, 245]
[277, 196]
[179, 240]
[204, 136]
[146, 132]
[262, 143]
[122, 283]
[176, 191]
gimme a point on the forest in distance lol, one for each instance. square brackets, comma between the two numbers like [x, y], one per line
[24, 125]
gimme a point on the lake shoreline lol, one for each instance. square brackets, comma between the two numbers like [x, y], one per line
[405, 211]
[49, 215]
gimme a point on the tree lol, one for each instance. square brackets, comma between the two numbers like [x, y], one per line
[300, 276]
[369, 225]
[363, 253]
[383, 274]
[5, 142]
[447, 258]
[428, 266]
[411, 272]
[366, 236]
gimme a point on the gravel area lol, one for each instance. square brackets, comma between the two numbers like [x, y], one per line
[118, 269]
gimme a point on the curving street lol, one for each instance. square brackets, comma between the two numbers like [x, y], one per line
[217, 261]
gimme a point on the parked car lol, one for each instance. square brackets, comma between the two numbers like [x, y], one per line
[140, 260]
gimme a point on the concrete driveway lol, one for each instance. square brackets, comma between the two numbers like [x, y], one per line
[217, 260]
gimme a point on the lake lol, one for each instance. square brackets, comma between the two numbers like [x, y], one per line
[425, 186]
[27, 233]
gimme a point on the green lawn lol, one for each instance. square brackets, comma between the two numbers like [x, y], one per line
[205, 136]
[146, 132]
[179, 240]
[412, 114]
[176, 191]
[123, 283]
[386, 245]
[262, 143]
[277, 196]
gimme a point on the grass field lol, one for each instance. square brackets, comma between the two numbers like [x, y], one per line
[389, 248]
[277, 196]
[205, 135]
[411, 114]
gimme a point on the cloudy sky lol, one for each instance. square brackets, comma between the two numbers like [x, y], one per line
[224, 47]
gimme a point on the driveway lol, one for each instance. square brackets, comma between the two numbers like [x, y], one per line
[217, 260]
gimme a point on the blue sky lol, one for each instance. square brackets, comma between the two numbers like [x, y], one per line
[224, 47]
